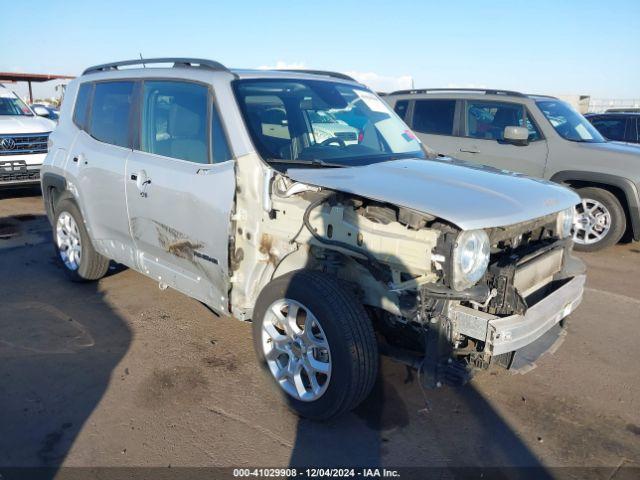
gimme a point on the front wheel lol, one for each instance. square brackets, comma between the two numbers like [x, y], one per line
[317, 343]
[599, 222]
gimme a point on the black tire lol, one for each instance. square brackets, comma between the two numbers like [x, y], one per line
[92, 266]
[618, 219]
[348, 331]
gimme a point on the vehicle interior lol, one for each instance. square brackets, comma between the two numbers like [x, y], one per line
[281, 117]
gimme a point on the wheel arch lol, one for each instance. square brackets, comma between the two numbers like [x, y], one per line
[623, 188]
[372, 292]
[54, 188]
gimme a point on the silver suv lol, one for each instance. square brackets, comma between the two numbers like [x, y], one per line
[334, 249]
[540, 136]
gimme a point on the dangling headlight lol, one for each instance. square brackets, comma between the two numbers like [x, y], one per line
[565, 222]
[470, 258]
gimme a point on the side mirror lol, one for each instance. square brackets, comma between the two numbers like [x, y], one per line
[41, 111]
[516, 136]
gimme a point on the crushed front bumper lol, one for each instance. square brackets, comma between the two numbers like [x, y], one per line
[508, 334]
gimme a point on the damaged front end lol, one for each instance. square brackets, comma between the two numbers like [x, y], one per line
[531, 285]
[444, 313]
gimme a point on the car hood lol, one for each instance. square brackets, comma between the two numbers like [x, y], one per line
[470, 196]
[10, 124]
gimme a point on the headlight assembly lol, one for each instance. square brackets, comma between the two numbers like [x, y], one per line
[565, 222]
[470, 258]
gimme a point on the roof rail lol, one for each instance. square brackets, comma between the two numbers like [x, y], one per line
[477, 90]
[326, 73]
[542, 96]
[177, 62]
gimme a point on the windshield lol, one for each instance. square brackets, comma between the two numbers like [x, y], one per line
[322, 121]
[569, 123]
[11, 105]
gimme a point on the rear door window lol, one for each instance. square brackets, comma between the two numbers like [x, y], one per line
[111, 112]
[174, 120]
[434, 116]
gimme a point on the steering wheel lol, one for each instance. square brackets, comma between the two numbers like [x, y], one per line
[331, 140]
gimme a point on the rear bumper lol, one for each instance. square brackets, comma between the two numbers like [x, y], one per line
[508, 334]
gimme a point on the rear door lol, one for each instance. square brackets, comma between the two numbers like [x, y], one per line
[481, 140]
[97, 164]
[180, 189]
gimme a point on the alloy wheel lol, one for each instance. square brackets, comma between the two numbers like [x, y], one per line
[296, 350]
[68, 240]
[591, 223]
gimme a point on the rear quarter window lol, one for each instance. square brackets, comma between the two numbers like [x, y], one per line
[401, 108]
[81, 107]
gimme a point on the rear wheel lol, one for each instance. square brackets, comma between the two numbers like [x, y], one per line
[317, 343]
[600, 220]
[73, 246]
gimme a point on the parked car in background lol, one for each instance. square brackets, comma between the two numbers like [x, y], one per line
[623, 110]
[619, 126]
[540, 136]
[320, 242]
[274, 123]
[23, 141]
[45, 111]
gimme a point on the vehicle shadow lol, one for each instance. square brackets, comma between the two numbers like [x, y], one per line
[58, 348]
[401, 424]
[448, 429]
[19, 192]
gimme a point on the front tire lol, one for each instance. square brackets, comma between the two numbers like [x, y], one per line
[600, 220]
[316, 342]
[73, 246]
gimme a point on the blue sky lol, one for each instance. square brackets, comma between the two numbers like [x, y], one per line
[556, 47]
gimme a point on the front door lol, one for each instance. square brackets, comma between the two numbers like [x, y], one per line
[180, 189]
[481, 140]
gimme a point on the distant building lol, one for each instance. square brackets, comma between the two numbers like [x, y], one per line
[579, 102]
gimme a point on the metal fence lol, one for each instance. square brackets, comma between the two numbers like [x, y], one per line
[598, 105]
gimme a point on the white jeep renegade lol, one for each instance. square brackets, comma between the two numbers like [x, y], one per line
[336, 249]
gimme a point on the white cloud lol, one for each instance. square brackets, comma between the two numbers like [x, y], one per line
[383, 83]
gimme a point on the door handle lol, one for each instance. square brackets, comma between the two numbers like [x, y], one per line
[470, 150]
[142, 182]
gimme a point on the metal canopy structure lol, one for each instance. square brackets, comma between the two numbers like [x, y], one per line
[30, 78]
